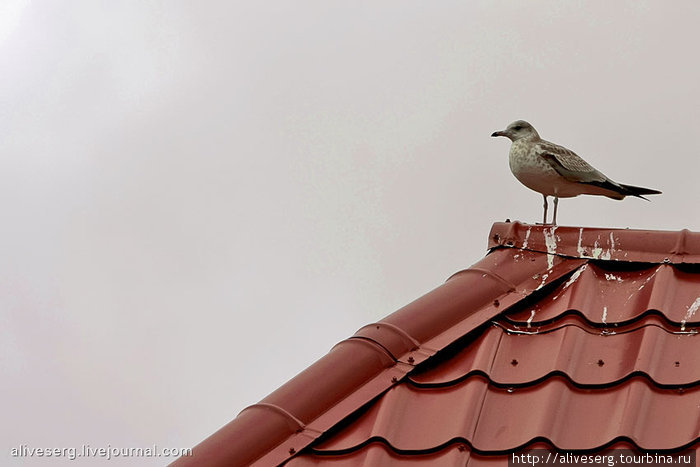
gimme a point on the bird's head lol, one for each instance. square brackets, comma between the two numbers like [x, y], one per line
[519, 129]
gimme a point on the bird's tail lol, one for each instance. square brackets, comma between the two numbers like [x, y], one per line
[619, 191]
[638, 191]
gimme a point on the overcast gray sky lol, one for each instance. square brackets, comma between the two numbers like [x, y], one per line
[199, 199]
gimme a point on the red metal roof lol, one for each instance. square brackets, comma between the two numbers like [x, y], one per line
[568, 338]
[493, 419]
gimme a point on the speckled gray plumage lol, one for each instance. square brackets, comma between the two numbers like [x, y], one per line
[556, 171]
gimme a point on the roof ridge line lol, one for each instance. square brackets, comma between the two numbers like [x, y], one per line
[611, 244]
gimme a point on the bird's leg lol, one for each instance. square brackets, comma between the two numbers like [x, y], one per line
[556, 205]
[546, 205]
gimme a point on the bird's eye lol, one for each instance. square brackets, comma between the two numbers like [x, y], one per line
[517, 128]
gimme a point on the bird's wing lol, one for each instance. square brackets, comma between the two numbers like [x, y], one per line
[568, 164]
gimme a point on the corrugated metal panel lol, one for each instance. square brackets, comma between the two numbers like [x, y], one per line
[535, 342]
[497, 419]
[584, 355]
[608, 297]
[453, 455]
[379, 454]
[608, 353]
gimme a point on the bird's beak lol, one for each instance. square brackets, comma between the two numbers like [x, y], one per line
[497, 133]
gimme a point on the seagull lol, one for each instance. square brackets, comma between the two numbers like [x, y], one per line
[555, 171]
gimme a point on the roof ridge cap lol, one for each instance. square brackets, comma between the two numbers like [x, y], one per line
[606, 244]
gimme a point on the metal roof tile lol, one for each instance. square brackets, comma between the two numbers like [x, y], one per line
[455, 454]
[608, 296]
[495, 419]
[602, 341]
[380, 454]
[584, 355]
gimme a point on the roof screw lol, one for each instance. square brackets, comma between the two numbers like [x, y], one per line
[536, 276]
[461, 447]
[510, 390]
[677, 364]
[496, 238]
[514, 362]
[394, 379]
[507, 221]
[601, 363]
[410, 360]
[496, 302]
[667, 260]
[681, 390]
[509, 243]
[292, 450]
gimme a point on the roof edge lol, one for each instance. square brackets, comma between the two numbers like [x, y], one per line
[377, 357]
